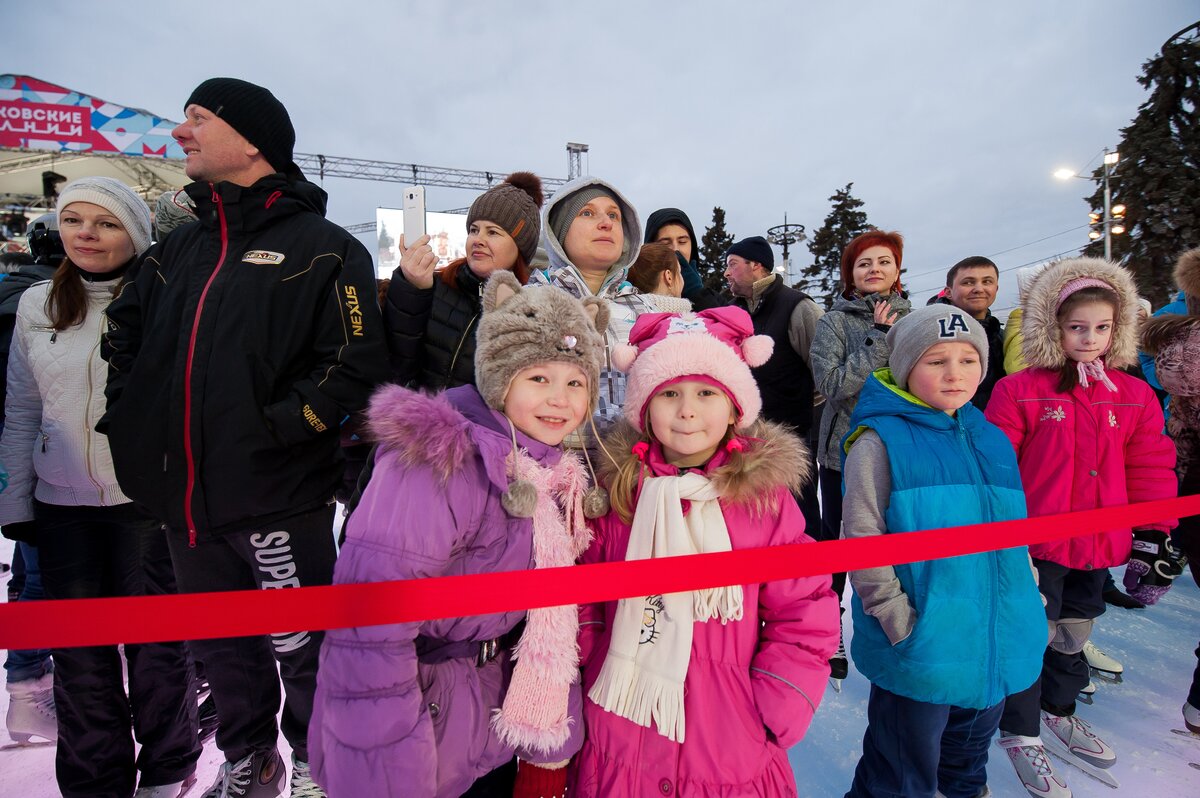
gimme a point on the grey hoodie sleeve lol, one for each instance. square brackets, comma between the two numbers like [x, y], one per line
[844, 357]
[868, 491]
[802, 327]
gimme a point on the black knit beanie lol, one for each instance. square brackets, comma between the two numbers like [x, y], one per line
[252, 111]
[754, 248]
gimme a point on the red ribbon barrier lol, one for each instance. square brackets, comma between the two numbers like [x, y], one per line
[92, 622]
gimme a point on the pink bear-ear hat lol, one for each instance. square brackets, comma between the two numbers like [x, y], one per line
[623, 356]
[757, 350]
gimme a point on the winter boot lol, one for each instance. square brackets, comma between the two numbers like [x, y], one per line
[176, 790]
[31, 709]
[1033, 767]
[258, 775]
[302, 785]
[1079, 739]
[1191, 718]
[1102, 663]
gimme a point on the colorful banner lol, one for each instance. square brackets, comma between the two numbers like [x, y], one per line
[93, 622]
[37, 115]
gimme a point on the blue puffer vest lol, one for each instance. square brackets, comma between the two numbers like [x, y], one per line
[980, 629]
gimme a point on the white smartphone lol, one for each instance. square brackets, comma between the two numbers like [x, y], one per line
[414, 213]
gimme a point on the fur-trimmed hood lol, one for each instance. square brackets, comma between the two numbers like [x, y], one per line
[1041, 344]
[773, 457]
[444, 431]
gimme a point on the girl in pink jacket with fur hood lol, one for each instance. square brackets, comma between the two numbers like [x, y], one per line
[1086, 436]
[700, 694]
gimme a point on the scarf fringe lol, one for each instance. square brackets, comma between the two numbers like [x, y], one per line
[640, 696]
[724, 603]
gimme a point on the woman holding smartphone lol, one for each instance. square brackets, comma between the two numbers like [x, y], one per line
[431, 316]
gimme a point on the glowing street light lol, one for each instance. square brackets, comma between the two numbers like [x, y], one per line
[1113, 220]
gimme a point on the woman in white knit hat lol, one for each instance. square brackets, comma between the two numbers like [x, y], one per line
[91, 539]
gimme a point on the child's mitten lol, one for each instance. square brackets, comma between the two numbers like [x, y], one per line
[536, 781]
[1153, 565]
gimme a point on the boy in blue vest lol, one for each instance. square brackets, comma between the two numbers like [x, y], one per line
[941, 641]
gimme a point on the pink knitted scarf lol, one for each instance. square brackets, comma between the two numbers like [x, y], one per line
[534, 712]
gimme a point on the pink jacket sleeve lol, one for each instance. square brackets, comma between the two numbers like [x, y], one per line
[1150, 460]
[1002, 410]
[799, 634]
[371, 733]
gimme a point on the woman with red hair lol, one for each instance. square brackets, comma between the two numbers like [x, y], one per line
[849, 344]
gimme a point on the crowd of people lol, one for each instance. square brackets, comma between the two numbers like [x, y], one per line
[187, 394]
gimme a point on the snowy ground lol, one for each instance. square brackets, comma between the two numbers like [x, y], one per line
[1137, 716]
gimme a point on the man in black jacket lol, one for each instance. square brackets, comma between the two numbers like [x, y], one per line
[240, 347]
[790, 318]
[971, 285]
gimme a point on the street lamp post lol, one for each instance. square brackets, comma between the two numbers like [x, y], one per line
[784, 235]
[1112, 222]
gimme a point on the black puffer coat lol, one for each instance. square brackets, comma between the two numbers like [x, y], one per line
[431, 331]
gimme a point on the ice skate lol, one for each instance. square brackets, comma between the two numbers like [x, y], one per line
[1088, 693]
[31, 710]
[1033, 767]
[1191, 718]
[175, 790]
[302, 785]
[257, 775]
[1073, 741]
[839, 666]
[1101, 664]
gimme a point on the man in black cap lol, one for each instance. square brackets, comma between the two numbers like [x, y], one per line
[237, 350]
[790, 318]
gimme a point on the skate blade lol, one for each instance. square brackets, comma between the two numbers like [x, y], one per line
[836, 684]
[1086, 698]
[1108, 676]
[1056, 748]
[26, 746]
[1186, 733]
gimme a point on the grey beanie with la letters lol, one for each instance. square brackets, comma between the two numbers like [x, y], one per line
[928, 326]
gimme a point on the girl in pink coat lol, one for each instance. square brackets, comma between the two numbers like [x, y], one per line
[700, 693]
[1086, 436]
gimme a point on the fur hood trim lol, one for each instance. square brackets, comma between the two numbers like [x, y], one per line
[773, 457]
[1160, 331]
[1187, 277]
[421, 429]
[1039, 324]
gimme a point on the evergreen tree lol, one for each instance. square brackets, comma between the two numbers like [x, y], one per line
[1158, 171]
[385, 240]
[713, 244]
[844, 222]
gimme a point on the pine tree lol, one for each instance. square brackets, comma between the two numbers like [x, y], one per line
[844, 222]
[385, 240]
[713, 244]
[1159, 170]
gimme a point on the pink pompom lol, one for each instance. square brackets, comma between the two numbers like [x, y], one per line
[623, 356]
[640, 450]
[757, 349]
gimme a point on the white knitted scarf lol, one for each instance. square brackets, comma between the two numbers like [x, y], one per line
[643, 673]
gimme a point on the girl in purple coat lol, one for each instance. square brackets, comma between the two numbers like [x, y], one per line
[700, 694]
[470, 481]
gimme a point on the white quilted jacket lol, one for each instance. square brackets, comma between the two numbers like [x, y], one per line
[55, 397]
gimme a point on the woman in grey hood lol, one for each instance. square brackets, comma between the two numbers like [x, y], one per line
[849, 344]
[591, 234]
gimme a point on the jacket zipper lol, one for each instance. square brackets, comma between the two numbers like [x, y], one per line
[87, 432]
[458, 349]
[992, 556]
[189, 456]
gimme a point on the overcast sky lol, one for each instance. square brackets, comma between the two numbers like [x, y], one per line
[948, 117]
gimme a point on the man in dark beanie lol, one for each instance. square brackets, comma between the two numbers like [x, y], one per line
[238, 347]
[790, 318]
